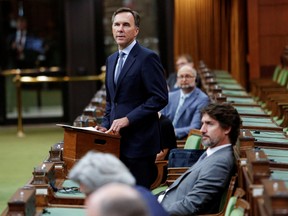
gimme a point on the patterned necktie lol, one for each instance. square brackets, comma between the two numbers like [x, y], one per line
[119, 66]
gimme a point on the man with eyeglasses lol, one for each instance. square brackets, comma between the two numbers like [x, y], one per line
[185, 103]
[184, 59]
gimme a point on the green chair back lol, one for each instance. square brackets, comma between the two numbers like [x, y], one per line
[237, 212]
[193, 142]
[276, 72]
[159, 189]
[230, 206]
[283, 77]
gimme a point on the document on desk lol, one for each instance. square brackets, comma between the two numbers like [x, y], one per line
[80, 128]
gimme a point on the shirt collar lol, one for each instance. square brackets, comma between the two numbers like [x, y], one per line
[184, 96]
[128, 48]
[211, 151]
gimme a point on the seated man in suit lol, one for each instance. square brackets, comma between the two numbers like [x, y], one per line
[184, 104]
[199, 189]
[96, 169]
[23, 47]
[184, 59]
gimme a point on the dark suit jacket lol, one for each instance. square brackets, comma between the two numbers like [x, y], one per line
[140, 93]
[154, 207]
[199, 190]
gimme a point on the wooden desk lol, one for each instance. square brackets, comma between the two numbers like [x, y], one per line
[250, 139]
[79, 140]
[260, 123]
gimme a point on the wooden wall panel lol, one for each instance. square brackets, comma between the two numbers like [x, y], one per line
[267, 35]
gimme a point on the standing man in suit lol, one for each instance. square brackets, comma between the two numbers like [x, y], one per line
[134, 96]
[199, 189]
[185, 103]
[24, 48]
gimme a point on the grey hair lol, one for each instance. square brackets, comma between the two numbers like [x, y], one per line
[96, 169]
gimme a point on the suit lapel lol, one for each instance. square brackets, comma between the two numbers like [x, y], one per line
[127, 65]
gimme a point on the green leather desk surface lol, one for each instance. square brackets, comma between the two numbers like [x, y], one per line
[268, 134]
[280, 175]
[276, 153]
[279, 159]
[65, 212]
[69, 183]
[222, 73]
[258, 119]
[233, 86]
[238, 100]
[260, 124]
[226, 80]
[272, 140]
[234, 92]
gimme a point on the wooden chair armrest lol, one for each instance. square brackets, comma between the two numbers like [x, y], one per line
[177, 169]
[160, 168]
[180, 143]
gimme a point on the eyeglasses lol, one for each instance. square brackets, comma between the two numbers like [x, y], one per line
[181, 64]
[185, 77]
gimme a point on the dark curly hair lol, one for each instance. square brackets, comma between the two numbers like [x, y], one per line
[227, 116]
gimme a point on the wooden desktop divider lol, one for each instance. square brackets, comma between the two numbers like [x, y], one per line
[79, 140]
[275, 197]
[257, 165]
[23, 202]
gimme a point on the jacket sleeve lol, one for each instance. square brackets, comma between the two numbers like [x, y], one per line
[152, 74]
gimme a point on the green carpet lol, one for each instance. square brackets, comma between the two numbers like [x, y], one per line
[20, 155]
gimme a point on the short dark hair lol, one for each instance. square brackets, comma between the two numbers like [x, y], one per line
[227, 116]
[125, 9]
